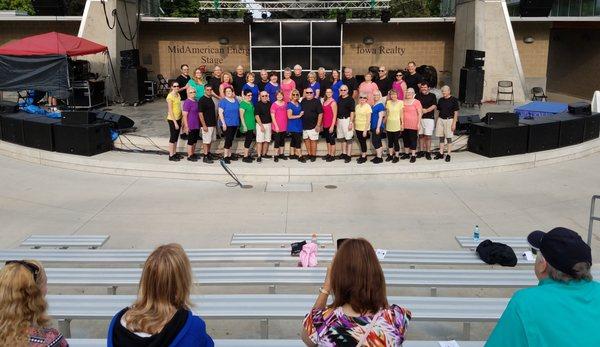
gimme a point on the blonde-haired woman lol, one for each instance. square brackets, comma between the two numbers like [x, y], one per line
[226, 81]
[161, 314]
[197, 83]
[23, 318]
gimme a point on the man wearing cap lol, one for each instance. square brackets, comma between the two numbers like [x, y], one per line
[564, 308]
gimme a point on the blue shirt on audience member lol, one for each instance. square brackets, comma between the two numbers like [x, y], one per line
[254, 90]
[231, 112]
[272, 90]
[336, 90]
[378, 107]
[551, 314]
[294, 125]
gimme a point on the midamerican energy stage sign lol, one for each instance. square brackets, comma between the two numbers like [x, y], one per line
[208, 55]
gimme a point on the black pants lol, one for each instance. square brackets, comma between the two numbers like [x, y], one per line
[362, 140]
[393, 140]
[409, 137]
[279, 139]
[193, 137]
[229, 136]
[249, 137]
[330, 137]
[375, 138]
[296, 140]
[174, 133]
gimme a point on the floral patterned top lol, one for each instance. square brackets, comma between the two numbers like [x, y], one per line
[330, 327]
[46, 337]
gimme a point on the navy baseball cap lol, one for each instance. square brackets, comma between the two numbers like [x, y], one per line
[562, 248]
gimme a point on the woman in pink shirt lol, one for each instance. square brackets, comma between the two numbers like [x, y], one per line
[226, 81]
[368, 87]
[287, 84]
[412, 123]
[329, 118]
[279, 121]
[399, 85]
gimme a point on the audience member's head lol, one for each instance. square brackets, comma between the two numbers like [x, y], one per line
[264, 75]
[563, 255]
[411, 67]
[309, 93]
[297, 70]
[22, 301]
[368, 76]
[185, 69]
[357, 278]
[347, 72]
[382, 72]
[445, 91]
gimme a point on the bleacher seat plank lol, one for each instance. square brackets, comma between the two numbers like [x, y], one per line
[277, 239]
[514, 242]
[65, 241]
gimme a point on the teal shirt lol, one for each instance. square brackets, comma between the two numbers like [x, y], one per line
[198, 87]
[552, 314]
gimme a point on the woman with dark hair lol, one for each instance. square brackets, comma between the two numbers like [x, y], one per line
[174, 116]
[279, 122]
[183, 80]
[399, 85]
[272, 87]
[336, 84]
[229, 115]
[251, 87]
[360, 314]
[248, 123]
[329, 118]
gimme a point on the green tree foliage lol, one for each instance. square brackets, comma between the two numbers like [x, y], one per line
[180, 8]
[414, 8]
[19, 5]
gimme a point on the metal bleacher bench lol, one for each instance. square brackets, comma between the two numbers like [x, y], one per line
[513, 242]
[273, 276]
[272, 343]
[276, 306]
[65, 241]
[284, 240]
[227, 255]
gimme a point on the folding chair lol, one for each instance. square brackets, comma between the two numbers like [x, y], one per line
[505, 88]
[163, 85]
[537, 94]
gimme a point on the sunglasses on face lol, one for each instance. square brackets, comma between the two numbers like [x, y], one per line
[363, 97]
[295, 94]
[35, 271]
[398, 75]
[308, 92]
[343, 90]
[263, 96]
[381, 70]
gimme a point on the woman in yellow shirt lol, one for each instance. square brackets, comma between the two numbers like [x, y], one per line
[174, 116]
[362, 121]
[393, 125]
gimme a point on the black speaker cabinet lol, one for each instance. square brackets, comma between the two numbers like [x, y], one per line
[88, 139]
[77, 117]
[463, 125]
[12, 127]
[130, 59]
[471, 86]
[535, 8]
[591, 129]
[501, 118]
[37, 132]
[543, 133]
[496, 141]
[133, 89]
[474, 58]
[117, 121]
[8, 107]
[571, 129]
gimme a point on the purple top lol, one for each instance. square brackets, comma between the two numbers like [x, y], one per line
[193, 120]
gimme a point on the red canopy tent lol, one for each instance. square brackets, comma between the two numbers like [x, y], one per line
[52, 43]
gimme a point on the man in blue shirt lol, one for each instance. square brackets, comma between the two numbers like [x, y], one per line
[564, 309]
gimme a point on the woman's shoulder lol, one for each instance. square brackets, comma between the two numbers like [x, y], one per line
[399, 314]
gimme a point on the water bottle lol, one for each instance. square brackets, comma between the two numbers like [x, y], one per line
[476, 233]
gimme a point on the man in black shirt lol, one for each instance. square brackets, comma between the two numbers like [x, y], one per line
[183, 79]
[324, 80]
[239, 79]
[208, 121]
[350, 81]
[446, 123]
[345, 122]
[299, 78]
[384, 83]
[262, 114]
[311, 122]
[412, 78]
[264, 79]
[429, 104]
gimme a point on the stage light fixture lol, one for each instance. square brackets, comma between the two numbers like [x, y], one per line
[368, 40]
[223, 40]
[264, 15]
[529, 39]
[341, 18]
[385, 16]
[203, 17]
[248, 19]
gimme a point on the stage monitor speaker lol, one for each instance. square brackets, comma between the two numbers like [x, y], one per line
[474, 58]
[117, 121]
[88, 140]
[580, 108]
[132, 85]
[501, 118]
[496, 141]
[463, 125]
[37, 132]
[12, 127]
[591, 129]
[535, 8]
[571, 129]
[130, 59]
[8, 107]
[543, 132]
[471, 86]
[78, 117]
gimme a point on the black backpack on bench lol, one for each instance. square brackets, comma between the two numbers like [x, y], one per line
[496, 253]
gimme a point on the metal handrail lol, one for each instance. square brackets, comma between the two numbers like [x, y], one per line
[592, 219]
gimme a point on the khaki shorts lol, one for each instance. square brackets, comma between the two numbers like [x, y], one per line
[443, 128]
[427, 125]
[263, 136]
[310, 134]
[209, 136]
[342, 129]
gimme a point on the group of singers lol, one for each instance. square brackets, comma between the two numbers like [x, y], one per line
[306, 106]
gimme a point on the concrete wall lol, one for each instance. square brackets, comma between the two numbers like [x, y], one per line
[574, 60]
[14, 30]
[534, 56]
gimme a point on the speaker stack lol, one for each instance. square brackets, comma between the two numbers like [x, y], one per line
[470, 89]
[498, 135]
[132, 77]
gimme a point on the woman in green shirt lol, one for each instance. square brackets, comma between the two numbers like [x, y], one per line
[197, 82]
[248, 123]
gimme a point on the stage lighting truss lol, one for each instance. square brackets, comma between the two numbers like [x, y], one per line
[287, 5]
